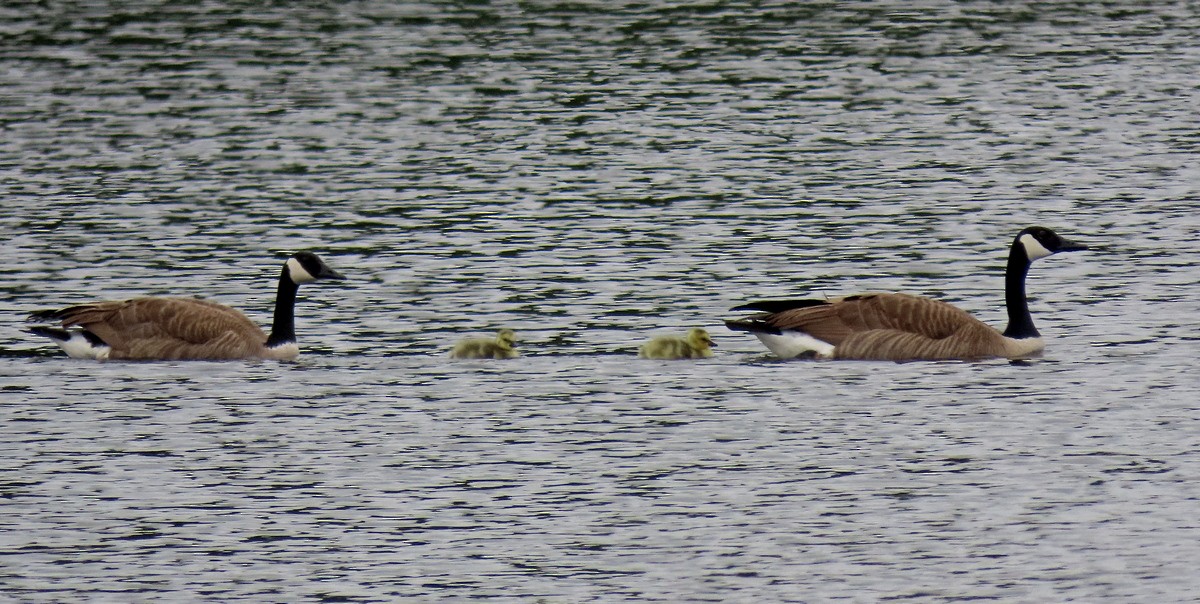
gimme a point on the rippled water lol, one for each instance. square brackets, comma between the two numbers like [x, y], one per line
[592, 175]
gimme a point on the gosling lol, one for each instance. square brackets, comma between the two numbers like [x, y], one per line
[501, 347]
[697, 345]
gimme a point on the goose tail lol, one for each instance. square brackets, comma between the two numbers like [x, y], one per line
[77, 343]
[751, 326]
[45, 316]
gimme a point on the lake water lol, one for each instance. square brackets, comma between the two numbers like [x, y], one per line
[593, 174]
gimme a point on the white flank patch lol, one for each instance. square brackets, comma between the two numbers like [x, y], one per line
[1025, 348]
[77, 347]
[297, 272]
[284, 352]
[1034, 248]
[791, 344]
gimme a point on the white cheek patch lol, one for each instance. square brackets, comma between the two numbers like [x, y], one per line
[297, 272]
[1034, 248]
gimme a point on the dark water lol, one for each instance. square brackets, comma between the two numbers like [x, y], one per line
[591, 175]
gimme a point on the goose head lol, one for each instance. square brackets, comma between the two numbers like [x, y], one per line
[305, 267]
[1038, 242]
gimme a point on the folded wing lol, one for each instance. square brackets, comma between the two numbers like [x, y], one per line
[883, 327]
[166, 328]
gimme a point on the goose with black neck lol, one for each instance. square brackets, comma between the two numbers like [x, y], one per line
[180, 328]
[902, 327]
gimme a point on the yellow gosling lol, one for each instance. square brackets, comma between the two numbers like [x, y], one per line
[697, 345]
[501, 347]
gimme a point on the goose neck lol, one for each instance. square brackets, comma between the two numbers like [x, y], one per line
[283, 327]
[1020, 323]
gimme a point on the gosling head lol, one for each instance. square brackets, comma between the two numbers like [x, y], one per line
[700, 339]
[507, 337]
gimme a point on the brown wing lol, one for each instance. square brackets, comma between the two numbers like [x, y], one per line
[970, 341]
[838, 319]
[895, 327]
[168, 328]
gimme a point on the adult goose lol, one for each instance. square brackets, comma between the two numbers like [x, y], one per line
[168, 328]
[503, 346]
[900, 327]
[697, 345]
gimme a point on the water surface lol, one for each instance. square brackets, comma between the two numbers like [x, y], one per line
[592, 176]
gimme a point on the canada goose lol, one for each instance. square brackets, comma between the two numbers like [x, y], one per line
[900, 327]
[697, 345]
[500, 347]
[162, 328]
